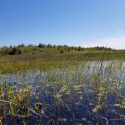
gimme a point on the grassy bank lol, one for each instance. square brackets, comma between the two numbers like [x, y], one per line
[13, 59]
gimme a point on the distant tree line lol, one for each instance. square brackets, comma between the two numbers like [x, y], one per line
[15, 50]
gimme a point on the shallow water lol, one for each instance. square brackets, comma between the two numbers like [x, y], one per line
[85, 94]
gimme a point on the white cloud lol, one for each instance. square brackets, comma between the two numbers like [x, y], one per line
[114, 42]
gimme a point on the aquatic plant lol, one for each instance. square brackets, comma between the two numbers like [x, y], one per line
[89, 93]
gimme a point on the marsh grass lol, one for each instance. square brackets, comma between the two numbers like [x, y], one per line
[50, 57]
[13, 65]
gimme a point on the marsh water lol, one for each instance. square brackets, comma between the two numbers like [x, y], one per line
[92, 93]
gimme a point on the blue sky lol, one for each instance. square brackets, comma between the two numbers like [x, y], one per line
[72, 22]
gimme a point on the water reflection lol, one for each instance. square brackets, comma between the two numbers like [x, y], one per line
[91, 93]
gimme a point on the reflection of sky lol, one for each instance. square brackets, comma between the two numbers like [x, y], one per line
[114, 70]
[26, 77]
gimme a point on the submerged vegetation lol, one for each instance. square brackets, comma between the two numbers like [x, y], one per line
[61, 85]
[91, 93]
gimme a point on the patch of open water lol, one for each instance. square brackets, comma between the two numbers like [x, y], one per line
[97, 101]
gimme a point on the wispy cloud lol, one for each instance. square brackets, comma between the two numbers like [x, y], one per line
[113, 42]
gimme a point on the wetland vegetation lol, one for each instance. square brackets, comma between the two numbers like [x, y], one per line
[42, 56]
[61, 85]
